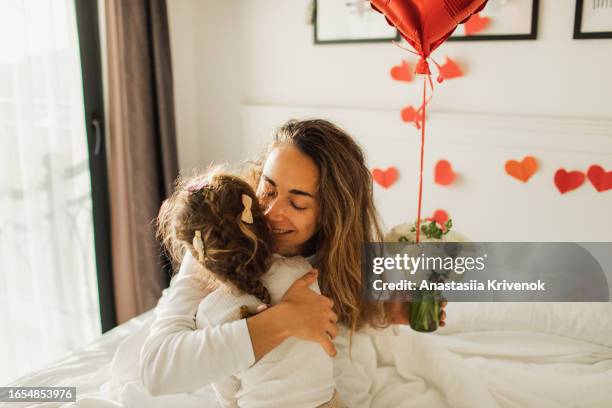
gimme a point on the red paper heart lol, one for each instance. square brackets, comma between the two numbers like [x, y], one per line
[385, 178]
[476, 24]
[522, 170]
[410, 115]
[440, 217]
[402, 72]
[426, 24]
[449, 70]
[444, 174]
[568, 181]
[601, 180]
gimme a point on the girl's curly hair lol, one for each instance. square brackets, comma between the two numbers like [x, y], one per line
[235, 253]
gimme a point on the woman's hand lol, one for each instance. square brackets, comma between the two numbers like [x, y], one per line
[308, 315]
[398, 314]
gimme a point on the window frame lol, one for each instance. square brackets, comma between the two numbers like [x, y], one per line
[93, 96]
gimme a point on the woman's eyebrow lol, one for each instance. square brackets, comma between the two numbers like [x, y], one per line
[292, 191]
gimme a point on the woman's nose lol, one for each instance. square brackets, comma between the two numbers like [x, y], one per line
[275, 210]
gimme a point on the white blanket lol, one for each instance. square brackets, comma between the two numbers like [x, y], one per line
[492, 369]
[490, 355]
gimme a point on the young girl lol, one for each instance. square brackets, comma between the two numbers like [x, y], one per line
[217, 218]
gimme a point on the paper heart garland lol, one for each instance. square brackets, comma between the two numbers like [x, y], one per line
[440, 217]
[449, 70]
[385, 178]
[522, 170]
[601, 180]
[568, 181]
[402, 72]
[476, 24]
[410, 115]
[443, 173]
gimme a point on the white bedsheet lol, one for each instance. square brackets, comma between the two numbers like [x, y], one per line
[490, 355]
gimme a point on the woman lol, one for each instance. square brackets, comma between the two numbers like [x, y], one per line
[317, 192]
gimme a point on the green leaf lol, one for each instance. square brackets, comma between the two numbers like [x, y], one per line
[449, 224]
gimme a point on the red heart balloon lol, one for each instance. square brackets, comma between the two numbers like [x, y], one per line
[426, 24]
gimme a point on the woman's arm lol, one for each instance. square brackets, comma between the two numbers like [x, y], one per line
[302, 313]
[177, 357]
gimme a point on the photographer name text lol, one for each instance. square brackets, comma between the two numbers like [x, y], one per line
[472, 285]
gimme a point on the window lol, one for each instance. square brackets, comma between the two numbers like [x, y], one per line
[49, 271]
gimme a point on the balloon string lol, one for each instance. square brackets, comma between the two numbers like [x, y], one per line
[404, 48]
[426, 100]
[431, 85]
[418, 224]
[436, 64]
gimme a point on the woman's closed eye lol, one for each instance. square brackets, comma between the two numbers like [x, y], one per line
[268, 193]
[298, 207]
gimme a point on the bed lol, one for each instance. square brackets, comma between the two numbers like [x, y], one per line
[489, 355]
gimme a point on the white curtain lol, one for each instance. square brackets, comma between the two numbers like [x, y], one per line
[48, 287]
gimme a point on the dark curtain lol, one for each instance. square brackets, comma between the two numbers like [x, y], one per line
[143, 159]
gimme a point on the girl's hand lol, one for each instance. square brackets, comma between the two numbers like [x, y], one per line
[398, 314]
[308, 315]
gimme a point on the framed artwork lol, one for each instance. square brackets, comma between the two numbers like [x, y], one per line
[501, 20]
[593, 19]
[350, 21]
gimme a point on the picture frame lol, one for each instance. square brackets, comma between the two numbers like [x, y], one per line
[350, 21]
[593, 19]
[507, 20]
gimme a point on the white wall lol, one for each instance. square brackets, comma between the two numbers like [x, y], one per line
[554, 75]
[230, 52]
[484, 202]
[183, 36]
[205, 58]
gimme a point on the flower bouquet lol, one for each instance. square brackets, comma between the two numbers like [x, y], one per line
[423, 310]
